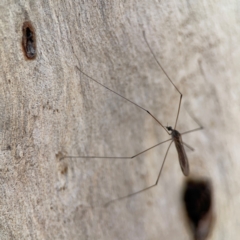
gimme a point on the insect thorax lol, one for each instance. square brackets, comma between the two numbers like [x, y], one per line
[175, 133]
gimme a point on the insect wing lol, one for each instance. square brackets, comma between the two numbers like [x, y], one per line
[182, 156]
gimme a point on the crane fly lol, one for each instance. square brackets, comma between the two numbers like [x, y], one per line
[175, 135]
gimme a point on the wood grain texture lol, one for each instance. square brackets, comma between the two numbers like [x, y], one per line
[49, 109]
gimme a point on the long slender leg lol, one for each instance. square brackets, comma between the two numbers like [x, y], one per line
[158, 63]
[196, 121]
[123, 98]
[193, 130]
[106, 157]
[145, 189]
[179, 107]
[192, 149]
[196, 129]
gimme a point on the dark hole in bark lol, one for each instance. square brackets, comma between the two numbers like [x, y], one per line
[197, 198]
[29, 40]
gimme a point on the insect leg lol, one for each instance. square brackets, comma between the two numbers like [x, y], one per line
[147, 188]
[106, 157]
[159, 64]
[189, 147]
[123, 98]
[195, 129]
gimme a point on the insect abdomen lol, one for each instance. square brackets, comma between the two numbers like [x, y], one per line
[182, 156]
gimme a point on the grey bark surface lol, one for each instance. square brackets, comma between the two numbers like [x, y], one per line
[49, 110]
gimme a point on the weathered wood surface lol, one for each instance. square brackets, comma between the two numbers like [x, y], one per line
[49, 109]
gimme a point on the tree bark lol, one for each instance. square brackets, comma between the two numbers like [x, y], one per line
[49, 109]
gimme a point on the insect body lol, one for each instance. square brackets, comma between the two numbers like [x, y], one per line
[182, 156]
